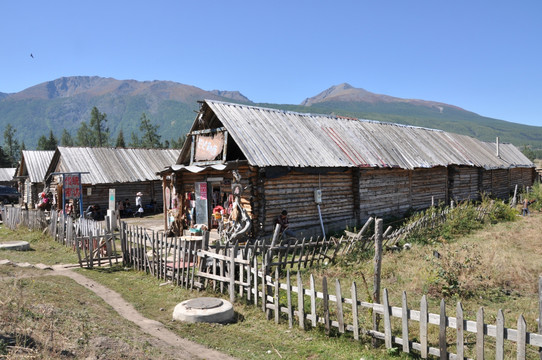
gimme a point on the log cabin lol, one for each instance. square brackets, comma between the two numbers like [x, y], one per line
[128, 171]
[30, 175]
[329, 172]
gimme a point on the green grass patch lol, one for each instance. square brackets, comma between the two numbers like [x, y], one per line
[250, 337]
[43, 248]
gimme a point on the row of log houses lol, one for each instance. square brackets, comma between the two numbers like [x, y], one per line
[128, 171]
[360, 168]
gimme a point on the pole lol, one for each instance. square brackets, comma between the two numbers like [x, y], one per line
[379, 226]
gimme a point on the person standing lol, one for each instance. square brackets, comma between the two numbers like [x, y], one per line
[139, 205]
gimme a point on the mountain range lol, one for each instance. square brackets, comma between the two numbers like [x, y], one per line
[66, 102]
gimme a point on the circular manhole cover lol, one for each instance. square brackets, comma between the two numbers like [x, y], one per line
[203, 303]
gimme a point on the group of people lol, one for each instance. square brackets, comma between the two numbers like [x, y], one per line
[125, 207]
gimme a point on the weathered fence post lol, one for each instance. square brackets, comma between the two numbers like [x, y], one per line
[540, 312]
[480, 334]
[443, 347]
[379, 225]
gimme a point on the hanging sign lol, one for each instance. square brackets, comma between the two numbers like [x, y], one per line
[72, 189]
[208, 147]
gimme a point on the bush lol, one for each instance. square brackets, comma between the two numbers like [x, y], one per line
[440, 224]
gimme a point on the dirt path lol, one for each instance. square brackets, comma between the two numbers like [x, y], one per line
[182, 348]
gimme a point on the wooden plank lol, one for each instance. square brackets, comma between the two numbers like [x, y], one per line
[314, 316]
[499, 339]
[249, 280]
[355, 319]
[326, 306]
[522, 338]
[232, 274]
[300, 302]
[379, 224]
[423, 327]
[460, 341]
[255, 287]
[276, 296]
[289, 299]
[443, 348]
[404, 323]
[340, 315]
[387, 321]
[301, 254]
[480, 334]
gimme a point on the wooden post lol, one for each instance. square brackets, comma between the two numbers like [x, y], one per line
[379, 225]
[442, 332]
[404, 322]
[480, 334]
[460, 331]
[340, 314]
[499, 338]
[327, 325]
[314, 317]
[300, 302]
[289, 299]
[232, 275]
[540, 312]
[522, 338]
[387, 321]
[276, 296]
[355, 320]
[424, 319]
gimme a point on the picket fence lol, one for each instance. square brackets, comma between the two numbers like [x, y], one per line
[245, 272]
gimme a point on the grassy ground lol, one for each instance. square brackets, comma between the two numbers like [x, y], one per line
[42, 248]
[52, 317]
[496, 267]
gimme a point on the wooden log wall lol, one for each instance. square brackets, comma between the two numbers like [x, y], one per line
[428, 185]
[383, 192]
[465, 180]
[522, 177]
[100, 193]
[500, 183]
[295, 193]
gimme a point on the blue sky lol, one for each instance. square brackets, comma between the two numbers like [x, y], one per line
[484, 56]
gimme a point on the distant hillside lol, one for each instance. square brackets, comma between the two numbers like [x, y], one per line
[66, 102]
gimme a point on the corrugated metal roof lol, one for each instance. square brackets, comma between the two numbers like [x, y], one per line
[7, 174]
[35, 164]
[111, 165]
[270, 137]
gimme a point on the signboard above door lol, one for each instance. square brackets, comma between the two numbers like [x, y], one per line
[208, 146]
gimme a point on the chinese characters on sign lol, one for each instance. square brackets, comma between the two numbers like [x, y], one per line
[203, 190]
[71, 187]
[208, 147]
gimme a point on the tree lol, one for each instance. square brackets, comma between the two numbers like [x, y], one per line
[4, 159]
[99, 130]
[84, 136]
[178, 144]
[150, 138]
[528, 152]
[45, 143]
[120, 140]
[134, 140]
[66, 138]
[11, 145]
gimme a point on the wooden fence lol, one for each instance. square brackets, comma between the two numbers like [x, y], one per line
[243, 273]
[32, 219]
